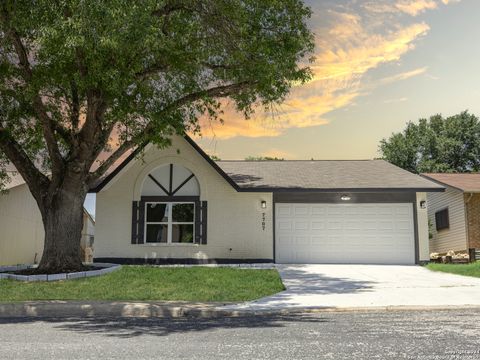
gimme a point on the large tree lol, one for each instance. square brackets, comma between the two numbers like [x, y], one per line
[437, 144]
[83, 78]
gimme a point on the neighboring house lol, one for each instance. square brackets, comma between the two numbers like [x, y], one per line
[21, 227]
[176, 205]
[455, 214]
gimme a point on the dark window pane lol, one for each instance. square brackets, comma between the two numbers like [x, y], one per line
[157, 233]
[442, 220]
[182, 212]
[182, 233]
[157, 212]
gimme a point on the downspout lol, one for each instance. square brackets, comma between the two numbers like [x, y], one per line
[467, 222]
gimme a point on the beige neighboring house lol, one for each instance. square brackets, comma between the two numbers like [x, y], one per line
[177, 205]
[21, 227]
[455, 214]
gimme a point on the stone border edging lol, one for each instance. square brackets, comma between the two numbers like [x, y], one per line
[67, 309]
[106, 268]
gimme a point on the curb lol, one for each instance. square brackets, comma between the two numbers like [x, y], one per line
[105, 268]
[63, 309]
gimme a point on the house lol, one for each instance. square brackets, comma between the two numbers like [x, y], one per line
[176, 205]
[21, 227]
[455, 214]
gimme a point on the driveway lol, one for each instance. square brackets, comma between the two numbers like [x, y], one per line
[365, 286]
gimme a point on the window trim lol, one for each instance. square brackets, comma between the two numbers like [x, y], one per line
[169, 223]
[447, 225]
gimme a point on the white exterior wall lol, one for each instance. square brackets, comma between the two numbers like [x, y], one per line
[422, 222]
[454, 238]
[21, 228]
[234, 219]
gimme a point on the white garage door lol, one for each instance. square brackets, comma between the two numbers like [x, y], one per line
[345, 233]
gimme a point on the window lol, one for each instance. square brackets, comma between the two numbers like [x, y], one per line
[442, 220]
[169, 223]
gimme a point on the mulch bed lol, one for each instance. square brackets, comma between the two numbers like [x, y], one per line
[35, 271]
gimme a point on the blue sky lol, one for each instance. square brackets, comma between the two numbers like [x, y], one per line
[379, 64]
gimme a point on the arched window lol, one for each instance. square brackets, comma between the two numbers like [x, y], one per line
[170, 211]
[171, 180]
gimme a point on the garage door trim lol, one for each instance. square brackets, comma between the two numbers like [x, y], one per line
[356, 198]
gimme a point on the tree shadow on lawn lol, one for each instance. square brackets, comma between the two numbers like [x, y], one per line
[134, 327]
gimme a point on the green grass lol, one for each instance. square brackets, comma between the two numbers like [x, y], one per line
[472, 269]
[152, 283]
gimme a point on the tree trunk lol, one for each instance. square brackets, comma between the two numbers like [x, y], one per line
[63, 223]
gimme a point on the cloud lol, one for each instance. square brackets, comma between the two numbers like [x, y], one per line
[404, 75]
[409, 7]
[391, 101]
[349, 44]
[415, 7]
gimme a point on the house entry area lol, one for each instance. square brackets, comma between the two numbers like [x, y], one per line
[345, 233]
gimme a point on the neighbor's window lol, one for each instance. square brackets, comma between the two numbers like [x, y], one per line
[169, 223]
[441, 219]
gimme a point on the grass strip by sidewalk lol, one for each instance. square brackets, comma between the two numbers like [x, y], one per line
[144, 283]
[472, 269]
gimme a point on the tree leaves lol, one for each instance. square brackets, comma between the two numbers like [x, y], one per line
[118, 74]
[436, 144]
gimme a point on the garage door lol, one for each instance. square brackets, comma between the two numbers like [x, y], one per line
[345, 233]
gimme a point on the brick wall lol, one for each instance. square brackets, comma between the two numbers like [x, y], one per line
[473, 220]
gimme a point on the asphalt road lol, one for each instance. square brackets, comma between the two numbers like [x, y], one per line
[431, 335]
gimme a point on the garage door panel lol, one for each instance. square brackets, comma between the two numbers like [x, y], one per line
[302, 225]
[318, 210]
[318, 225]
[285, 225]
[337, 233]
[283, 210]
[301, 210]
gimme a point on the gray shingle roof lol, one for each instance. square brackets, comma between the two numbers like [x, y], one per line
[324, 175]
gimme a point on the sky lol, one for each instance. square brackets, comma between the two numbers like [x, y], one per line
[379, 64]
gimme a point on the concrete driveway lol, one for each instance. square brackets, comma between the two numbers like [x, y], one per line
[365, 286]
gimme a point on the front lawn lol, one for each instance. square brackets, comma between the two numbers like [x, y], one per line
[152, 283]
[472, 269]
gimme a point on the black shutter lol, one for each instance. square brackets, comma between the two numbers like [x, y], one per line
[201, 222]
[134, 222]
[198, 217]
[141, 222]
[204, 223]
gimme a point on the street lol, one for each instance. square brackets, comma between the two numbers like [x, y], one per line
[452, 334]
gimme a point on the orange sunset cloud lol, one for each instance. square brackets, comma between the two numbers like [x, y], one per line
[347, 47]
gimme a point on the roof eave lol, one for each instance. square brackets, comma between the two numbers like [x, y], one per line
[442, 183]
[202, 153]
[337, 190]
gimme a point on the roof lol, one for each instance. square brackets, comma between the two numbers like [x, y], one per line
[302, 175]
[466, 182]
[324, 175]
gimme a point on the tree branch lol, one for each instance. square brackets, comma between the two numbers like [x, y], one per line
[75, 106]
[220, 91]
[37, 182]
[38, 105]
[216, 92]
[169, 8]
[117, 154]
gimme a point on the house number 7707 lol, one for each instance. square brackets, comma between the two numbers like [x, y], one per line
[263, 221]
